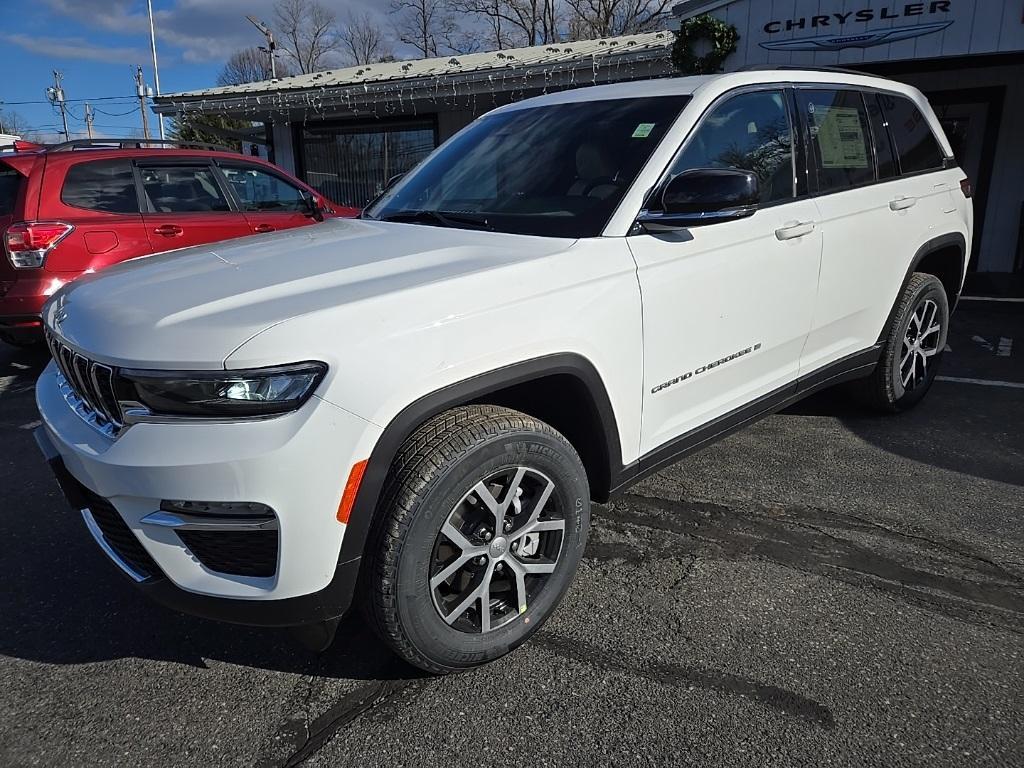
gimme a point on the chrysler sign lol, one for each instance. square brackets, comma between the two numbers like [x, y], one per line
[861, 39]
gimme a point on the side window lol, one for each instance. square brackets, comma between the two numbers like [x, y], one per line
[916, 145]
[840, 138]
[884, 155]
[182, 189]
[258, 190]
[101, 185]
[751, 132]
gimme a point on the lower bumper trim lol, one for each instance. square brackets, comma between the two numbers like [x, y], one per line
[133, 573]
[329, 603]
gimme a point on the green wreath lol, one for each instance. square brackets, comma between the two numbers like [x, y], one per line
[722, 36]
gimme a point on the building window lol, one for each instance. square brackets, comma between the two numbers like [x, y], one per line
[350, 164]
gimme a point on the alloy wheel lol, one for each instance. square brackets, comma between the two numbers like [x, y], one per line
[920, 344]
[496, 550]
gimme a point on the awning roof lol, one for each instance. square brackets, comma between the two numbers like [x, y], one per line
[564, 64]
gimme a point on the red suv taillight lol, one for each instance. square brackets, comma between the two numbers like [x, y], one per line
[966, 188]
[28, 242]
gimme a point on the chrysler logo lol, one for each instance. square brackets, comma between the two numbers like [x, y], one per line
[863, 40]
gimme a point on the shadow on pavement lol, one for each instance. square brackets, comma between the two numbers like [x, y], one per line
[960, 428]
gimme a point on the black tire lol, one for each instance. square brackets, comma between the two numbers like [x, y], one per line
[431, 483]
[885, 389]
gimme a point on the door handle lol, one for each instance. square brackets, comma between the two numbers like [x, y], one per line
[168, 230]
[794, 229]
[902, 203]
[263, 228]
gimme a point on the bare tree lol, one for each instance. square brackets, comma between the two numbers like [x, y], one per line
[426, 25]
[308, 33]
[590, 19]
[516, 22]
[249, 65]
[13, 123]
[363, 41]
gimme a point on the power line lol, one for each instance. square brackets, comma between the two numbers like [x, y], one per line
[116, 114]
[45, 101]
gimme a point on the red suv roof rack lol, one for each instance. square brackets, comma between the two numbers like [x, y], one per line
[66, 146]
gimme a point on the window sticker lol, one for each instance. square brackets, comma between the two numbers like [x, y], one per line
[643, 130]
[841, 140]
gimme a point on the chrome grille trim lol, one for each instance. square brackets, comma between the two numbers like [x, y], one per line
[87, 386]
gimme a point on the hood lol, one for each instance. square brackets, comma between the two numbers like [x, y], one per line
[191, 308]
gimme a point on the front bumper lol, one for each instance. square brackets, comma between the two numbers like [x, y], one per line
[296, 464]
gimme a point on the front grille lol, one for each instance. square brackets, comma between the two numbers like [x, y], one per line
[240, 553]
[118, 535]
[92, 384]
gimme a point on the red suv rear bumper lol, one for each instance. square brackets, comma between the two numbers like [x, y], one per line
[22, 299]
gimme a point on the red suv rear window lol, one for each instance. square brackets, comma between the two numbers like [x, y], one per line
[10, 184]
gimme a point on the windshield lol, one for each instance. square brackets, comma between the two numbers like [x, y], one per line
[558, 170]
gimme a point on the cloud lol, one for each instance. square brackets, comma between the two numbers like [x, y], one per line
[77, 48]
[200, 30]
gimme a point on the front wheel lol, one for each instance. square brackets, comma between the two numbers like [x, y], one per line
[913, 349]
[484, 520]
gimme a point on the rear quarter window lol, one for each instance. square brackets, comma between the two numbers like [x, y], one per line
[10, 185]
[916, 146]
[101, 185]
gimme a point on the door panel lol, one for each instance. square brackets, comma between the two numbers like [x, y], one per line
[727, 307]
[717, 291]
[873, 220]
[185, 205]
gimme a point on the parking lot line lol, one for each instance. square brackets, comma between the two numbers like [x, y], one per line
[983, 382]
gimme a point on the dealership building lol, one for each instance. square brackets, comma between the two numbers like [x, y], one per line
[347, 131]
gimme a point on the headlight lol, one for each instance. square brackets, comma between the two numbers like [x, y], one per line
[255, 392]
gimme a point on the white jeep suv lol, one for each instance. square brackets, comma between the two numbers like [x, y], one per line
[417, 408]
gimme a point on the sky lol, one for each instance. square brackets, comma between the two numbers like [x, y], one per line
[98, 43]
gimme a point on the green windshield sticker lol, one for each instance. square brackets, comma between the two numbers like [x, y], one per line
[643, 130]
[841, 139]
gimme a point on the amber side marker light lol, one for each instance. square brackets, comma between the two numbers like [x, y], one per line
[348, 498]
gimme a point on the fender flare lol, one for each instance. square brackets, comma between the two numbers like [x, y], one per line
[463, 392]
[942, 241]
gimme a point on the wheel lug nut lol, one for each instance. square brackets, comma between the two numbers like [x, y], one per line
[488, 536]
[499, 567]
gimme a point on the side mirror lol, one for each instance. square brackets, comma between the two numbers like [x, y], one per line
[702, 196]
[313, 208]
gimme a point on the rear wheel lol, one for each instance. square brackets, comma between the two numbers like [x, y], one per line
[912, 350]
[486, 512]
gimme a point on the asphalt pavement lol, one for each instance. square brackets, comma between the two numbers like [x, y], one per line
[826, 588]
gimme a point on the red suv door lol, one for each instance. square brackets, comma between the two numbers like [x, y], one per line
[269, 200]
[186, 204]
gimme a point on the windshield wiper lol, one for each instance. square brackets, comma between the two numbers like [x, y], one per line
[442, 218]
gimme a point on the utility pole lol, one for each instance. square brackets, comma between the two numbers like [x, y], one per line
[156, 68]
[271, 45]
[88, 119]
[55, 93]
[142, 91]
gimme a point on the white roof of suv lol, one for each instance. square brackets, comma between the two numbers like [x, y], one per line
[683, 86]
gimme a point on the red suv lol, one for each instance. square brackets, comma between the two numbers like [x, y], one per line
[74, 208]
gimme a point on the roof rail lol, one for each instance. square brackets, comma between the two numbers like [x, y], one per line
[66, 146]
[810, 68]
